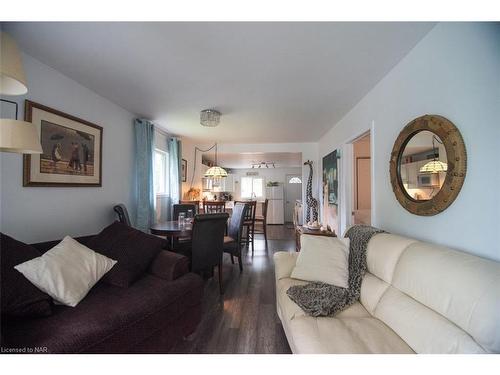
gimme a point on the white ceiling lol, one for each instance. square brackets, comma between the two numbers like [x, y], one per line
[273, 82]
[245, 160]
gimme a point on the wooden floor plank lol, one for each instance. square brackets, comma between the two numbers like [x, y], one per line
[244, 319]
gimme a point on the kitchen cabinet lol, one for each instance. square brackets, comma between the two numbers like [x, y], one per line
[410, 172]
[226, 184]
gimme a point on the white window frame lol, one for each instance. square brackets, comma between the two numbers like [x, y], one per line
[253, 179]
[163, 174]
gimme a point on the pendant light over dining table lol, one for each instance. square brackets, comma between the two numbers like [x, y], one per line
[15, 135]
[434, 166]
[215, 172]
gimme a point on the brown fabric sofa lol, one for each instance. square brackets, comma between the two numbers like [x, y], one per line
[149, 316]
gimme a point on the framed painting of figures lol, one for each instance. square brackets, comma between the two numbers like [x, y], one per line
[72, 149]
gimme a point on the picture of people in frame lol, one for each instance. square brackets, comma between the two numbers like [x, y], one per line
[66, 151]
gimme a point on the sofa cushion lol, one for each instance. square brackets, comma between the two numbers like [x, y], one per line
[19, 297]
[323, 259]
[463, 288]
[110, 319]
[383, 252]
[169, 266]
[284, 263]
[66, 272]
[422, 328]
[290, 310]
[134, 250]
[343, 335]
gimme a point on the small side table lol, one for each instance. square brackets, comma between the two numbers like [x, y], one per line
[300, 230]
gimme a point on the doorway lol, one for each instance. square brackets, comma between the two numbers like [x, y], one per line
[293, 192]
[361, 183]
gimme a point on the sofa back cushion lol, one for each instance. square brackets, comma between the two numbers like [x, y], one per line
[134, 250]
[19, 297]
[437, 299]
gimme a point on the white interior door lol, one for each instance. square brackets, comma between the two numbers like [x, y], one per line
[293, 192]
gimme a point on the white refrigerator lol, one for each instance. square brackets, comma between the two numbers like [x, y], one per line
[276, 205]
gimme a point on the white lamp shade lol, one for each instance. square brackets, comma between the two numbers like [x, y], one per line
[216, 172]
[12, 77]
[19, 136]
[434, 166]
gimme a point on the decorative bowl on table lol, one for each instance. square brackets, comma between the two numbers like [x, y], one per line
[312, 226]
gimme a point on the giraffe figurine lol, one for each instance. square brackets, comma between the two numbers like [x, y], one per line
[312, 203]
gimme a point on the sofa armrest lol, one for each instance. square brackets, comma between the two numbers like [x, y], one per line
[284, 263]
[169, 266]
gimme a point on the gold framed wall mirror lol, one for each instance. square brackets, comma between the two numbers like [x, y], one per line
[428, 165]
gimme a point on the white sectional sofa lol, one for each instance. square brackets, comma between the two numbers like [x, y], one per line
[415, 298]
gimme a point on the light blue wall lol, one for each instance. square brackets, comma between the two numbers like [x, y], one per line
[33, 214]
[454, 72]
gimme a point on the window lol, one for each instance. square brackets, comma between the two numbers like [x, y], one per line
[252, 187]
[295, 180]
[160, 169]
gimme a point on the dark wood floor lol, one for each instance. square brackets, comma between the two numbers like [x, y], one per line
[244, 319]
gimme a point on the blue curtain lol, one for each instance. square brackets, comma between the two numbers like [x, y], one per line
[145, 200]
[175, 158]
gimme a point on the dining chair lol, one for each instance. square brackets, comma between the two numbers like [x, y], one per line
[249, 223]
[233, 241]
[213, 207]
[121, 211]
[196, 203]
[208, 243]
[183, 207]
[262, 220]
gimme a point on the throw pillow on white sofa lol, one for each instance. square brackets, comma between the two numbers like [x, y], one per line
[67, 271]
[323, 259]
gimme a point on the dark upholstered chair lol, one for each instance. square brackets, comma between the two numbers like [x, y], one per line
[262, 220]
[183, 207]
[122, 212]
[233, 241]
[249, 223]
[208, 243]
[213, 207]
[196, 203]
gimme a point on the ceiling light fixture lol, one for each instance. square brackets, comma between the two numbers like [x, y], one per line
[210, 117]
[267, 164]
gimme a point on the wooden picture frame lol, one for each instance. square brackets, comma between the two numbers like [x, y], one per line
[72, 150]
[184, 170]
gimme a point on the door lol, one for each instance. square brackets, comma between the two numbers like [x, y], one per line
[293, 192]
[363, 182]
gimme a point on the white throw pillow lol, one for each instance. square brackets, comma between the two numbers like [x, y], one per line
[67, 271]
[323, 259]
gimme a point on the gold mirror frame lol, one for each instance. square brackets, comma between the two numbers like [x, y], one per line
[457, 164]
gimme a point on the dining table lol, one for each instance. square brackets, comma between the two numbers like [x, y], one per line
[172, 230]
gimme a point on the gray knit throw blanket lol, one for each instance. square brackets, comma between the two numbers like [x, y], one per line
[321, 299]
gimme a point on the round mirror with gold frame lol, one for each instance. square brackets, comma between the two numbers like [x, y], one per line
[428, 165]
